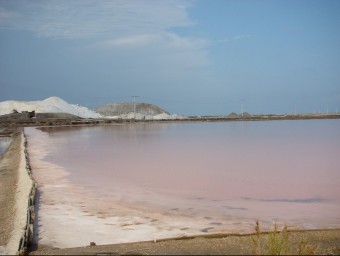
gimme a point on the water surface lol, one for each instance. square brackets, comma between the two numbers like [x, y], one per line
[4, 144]
[149, 181]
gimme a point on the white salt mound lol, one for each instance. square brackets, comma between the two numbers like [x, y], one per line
[49, 105]
[139, 116]
[58, 105]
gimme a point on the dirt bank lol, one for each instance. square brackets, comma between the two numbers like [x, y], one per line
[15, 186]
[9, 164]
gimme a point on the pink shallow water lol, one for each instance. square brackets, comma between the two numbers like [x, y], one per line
[150, 181]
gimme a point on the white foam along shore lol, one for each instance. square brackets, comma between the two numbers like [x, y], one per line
[58, 105]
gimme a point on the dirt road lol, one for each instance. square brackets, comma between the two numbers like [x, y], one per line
[321, 242]
[15, 186]
[9, 164]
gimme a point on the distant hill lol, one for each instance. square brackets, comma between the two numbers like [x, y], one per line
[121, 108]
[234, 115]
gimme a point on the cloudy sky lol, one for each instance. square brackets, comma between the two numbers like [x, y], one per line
[194, 57]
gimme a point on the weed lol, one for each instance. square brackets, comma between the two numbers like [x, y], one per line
[278, 243]
[305, 249]
[257, 239]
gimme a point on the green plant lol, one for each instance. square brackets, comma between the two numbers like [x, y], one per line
[278, 243]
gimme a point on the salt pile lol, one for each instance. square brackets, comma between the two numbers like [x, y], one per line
[135, 110]
[49, 105]
[58, 105]
[139, 116]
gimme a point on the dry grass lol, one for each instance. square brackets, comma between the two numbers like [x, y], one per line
[279, 243]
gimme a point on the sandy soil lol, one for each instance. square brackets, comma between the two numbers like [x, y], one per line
[15, 186]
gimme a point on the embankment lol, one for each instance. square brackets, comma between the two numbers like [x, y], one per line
[19, 193]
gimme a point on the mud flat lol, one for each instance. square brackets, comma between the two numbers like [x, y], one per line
[15, 186]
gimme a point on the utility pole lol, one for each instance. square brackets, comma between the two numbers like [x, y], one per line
[241, 102]
[241, 108]
[134, 106]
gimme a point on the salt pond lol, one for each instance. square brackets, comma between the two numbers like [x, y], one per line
[4, 143]
[146, 181]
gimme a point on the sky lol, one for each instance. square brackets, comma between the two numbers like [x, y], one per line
[191, 57]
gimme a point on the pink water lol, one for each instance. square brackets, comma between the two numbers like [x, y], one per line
[150, 181]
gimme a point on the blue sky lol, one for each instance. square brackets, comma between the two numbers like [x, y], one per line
[194, 57]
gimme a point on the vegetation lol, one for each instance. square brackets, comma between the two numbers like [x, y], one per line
[279, 243]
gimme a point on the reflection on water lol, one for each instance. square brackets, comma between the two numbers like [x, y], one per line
[188, 178]
[4, 143]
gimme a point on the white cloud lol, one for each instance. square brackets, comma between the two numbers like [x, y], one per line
[136, 40]
[116, 24]
[234, 38]
[3, 13]
[181, 42]
[5, 17]
[163, 39]
[185, 51]
[88, 18]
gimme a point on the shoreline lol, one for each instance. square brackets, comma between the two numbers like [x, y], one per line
[24, 186]
[327, 241]
[104, 121]
[180, 245]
